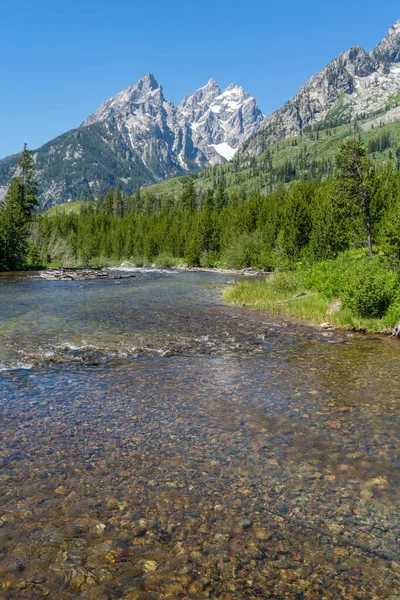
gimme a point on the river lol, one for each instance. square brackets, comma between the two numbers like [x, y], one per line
[158, 443]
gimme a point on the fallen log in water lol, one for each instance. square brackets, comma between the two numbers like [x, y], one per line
[70, 274]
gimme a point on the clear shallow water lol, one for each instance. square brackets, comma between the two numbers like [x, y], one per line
[164, 445]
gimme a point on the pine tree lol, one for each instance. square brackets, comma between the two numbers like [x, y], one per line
[26, 172]
[13, 227]
[188, 196]
[352, 190]
[107, 203]
[118, 204]
[17, 211]
[220, 197]
[208, 200]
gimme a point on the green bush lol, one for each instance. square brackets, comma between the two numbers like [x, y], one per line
[192, 254]
[327, 278]
[209, 259]
[370, 288]
[164, 259]
[243, 251]
[392, 317]
[139, 261]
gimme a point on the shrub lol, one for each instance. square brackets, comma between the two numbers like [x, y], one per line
[243, 251]
[209, 259]
[370, 288]
[327, 278]
[166, 260]
[392, 317]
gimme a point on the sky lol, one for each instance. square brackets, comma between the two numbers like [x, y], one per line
[60, 59]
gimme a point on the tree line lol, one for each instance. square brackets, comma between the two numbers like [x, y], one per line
[309, 221]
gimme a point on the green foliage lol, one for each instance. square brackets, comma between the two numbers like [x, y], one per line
[366, 286]
[166, 260]
[352, 189]
[188, 196]
[16, 214]
[327, 278]
[26, 171]
[209, 259]
[13, 228]
[370, 288]
[284, 284]
[307, 223]
[381, 142]
[389, 230]
[243, 251]
[367, 293]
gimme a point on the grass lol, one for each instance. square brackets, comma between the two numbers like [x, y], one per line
[67, 208]
[285, 294]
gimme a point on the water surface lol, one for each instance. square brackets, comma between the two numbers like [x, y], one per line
[157, 443]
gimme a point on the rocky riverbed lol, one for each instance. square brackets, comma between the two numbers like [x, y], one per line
[263, 465]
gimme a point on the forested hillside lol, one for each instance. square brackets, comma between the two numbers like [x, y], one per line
[226, 225]
[310, 156]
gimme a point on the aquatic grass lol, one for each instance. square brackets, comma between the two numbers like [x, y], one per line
[279, 294]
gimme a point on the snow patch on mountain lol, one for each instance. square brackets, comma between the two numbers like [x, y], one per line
[221, 120]
[225, 150]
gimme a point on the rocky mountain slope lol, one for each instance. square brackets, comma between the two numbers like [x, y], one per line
[221, 120]
[356, 85]
[137, 137]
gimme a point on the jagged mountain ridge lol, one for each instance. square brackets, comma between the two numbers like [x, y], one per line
[217, 122]
[137, 137]
[221, 120]
[357, 84]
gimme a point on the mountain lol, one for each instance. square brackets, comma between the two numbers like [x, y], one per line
[222, 121]
[354, 86]
[137, 137]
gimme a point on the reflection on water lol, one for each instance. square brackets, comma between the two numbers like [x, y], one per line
[164, 445]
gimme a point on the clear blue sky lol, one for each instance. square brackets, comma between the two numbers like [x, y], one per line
[61, 58]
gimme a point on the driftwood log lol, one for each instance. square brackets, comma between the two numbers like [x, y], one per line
[396, 331]
[69, 274]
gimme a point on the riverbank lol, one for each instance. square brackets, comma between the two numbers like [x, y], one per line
[344, 294]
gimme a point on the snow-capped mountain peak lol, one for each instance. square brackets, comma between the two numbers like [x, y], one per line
[220, 121]
[137, 137]
[205, 129]
[127, 100]
[193, 105]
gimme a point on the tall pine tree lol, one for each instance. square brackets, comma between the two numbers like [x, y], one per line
[16, 213]
[352, 191]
